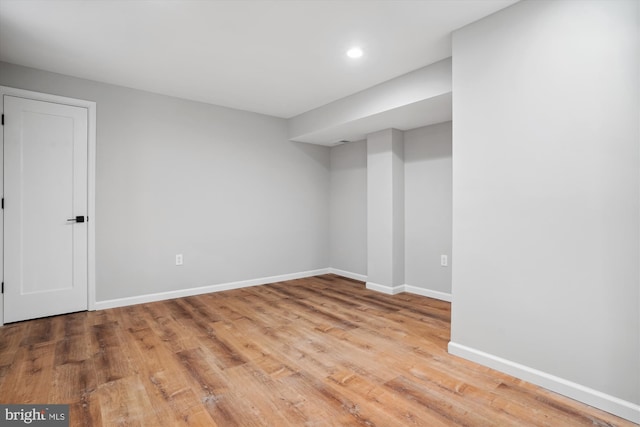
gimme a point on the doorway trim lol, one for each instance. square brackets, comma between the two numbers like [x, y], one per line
[91, 183]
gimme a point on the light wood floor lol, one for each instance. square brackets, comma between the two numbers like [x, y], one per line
[322, 351]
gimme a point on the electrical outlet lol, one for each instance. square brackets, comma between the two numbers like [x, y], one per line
[444, 261]
[179, 259]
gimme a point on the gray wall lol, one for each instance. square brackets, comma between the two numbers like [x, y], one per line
[348, 207]
[546, 190]
[427, 175]
[427, 194]
[221, 186]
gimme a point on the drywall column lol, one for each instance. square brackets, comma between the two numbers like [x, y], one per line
[385, 211]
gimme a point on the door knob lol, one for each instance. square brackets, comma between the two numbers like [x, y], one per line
[78, 218]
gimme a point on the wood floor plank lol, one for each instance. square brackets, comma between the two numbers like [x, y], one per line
[112, 360]
[124, 402]
[320, 351]
[86, 412]
[175, 402]
[72, 382]
[31, 374]
[11, 336]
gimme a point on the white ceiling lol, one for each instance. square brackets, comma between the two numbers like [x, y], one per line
[280, 58]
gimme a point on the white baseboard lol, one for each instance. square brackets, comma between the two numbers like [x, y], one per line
[443, 296]
[391, 290]
[348, 274]
[595, 398]
[121, 302]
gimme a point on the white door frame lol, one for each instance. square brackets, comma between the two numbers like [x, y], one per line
[91, 184]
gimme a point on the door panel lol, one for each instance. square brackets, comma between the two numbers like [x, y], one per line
[45, 167]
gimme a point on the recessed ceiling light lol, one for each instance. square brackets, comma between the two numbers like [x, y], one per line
[354, 52]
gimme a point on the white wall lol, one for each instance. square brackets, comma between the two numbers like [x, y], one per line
[348, 208]
[546, 196]
[427, 172]
[223, 187]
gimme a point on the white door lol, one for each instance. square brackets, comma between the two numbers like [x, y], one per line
[45, 208]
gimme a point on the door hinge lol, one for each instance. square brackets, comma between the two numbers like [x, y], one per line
[2, 288]
[3, 120]
[3, 203]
